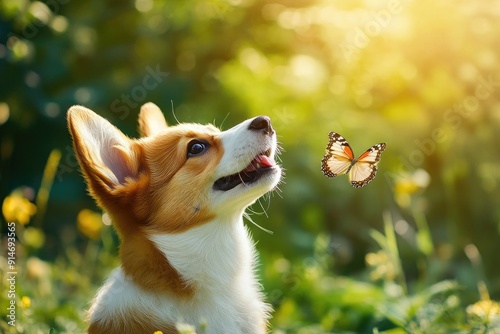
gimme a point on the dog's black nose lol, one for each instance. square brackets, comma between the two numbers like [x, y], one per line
[261, 123]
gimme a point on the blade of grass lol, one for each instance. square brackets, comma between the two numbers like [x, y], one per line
[393, 250]
[42, 196]
[424, 238]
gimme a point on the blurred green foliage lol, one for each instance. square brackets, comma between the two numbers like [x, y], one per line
[407, 253]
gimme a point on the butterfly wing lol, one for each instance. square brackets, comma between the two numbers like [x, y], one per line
[365, 167]
[338, 157]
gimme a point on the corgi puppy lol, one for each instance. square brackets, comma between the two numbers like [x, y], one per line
[176, 197]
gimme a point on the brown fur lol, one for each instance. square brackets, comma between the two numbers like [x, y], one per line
[136, 323]
[151, 120]
[157, 191]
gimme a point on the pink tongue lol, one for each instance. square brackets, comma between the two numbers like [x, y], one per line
[262, 161]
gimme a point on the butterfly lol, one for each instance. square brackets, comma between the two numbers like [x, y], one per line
[339, 159]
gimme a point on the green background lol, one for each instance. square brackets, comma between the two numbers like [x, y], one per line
[422, 76]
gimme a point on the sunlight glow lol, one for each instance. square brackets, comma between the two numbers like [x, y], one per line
[4, 112]
[144, 5]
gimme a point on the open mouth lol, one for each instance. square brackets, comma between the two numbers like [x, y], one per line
[259, 166]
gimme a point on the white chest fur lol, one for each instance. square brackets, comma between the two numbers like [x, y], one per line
[217, 258]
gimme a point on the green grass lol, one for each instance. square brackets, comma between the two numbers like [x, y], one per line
[51, 296]
[307, 296]
[413, 252]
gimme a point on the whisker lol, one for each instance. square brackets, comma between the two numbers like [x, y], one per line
[278, 192]
[224, 120]
[173, 112]
[247, 216]
[264, 210]
[241, 179]
[222, 123]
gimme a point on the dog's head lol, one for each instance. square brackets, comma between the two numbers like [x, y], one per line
[174, 177]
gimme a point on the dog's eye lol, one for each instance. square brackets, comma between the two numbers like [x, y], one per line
[196, 147]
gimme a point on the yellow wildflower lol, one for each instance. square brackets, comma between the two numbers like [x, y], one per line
[25, 302]
[410, 183]
[17, 208]
[158, 332]
[34, 237]
[89, 223]
[381, 266]
[484, 309]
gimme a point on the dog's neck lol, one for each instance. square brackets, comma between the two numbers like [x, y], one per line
[211, 256]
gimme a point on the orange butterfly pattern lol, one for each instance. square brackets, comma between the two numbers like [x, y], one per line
[339, 159]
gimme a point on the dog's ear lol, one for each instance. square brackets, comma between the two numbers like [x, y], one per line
[151, 120]
[107, 157]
